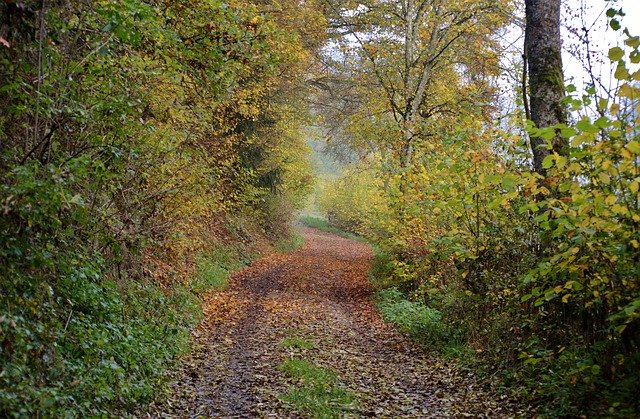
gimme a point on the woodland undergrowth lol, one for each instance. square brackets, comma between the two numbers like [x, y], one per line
[147, 149]
[534, 277]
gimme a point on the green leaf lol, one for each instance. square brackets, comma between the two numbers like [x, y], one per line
[584, 124]
[508, 181]
[633, 42]
[621, 72]
[634, 147]
[616, 53]
[615, 25]
[547, 162]
[547, 133]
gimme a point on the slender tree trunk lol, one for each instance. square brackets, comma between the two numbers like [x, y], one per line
[543, 45]
[407, 146]
[409, 52]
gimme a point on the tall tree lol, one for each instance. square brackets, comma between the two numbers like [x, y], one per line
[406, 50]
[543, 55]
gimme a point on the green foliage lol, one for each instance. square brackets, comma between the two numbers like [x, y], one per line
[288, 245]
[414, 318]
[213, 269]
[539, 275]
[130, 131]
[381, 269]
[92, 348]
[317, 393]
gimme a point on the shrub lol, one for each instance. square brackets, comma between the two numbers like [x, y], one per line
[414, 318]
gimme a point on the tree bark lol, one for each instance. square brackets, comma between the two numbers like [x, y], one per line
[543, 52]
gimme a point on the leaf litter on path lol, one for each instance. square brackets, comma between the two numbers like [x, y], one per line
[318, 294]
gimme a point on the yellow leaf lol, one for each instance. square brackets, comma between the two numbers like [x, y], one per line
[610, 200]
[628, 91]
[621, 73]
[561, 161]
[616, 53]
[634, 147]
[614, 108]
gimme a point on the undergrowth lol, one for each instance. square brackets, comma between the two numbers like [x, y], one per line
[100, 347]
[289, 244]
[422, 323]
[214, 268]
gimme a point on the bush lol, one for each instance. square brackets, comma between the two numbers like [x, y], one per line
[540, 274]
[414, 318]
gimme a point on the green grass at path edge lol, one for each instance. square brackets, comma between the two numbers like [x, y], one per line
[424, 324]
[289, 244]
[213, 269]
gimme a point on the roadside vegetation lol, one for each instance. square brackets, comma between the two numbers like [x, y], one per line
[147, 150]
[529, 272]
[316, 391]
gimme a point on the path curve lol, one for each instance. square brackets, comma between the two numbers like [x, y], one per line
[320, 292]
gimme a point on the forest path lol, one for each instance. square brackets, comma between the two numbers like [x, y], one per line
[316, 305]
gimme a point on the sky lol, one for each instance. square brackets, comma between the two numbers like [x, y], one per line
[592, 15]
[576, 14]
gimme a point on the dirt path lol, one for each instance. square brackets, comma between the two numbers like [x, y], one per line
[320, 294]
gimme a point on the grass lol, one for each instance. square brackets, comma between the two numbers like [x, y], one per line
[213, 269]
[317, 393]
[297, 343]
[425, 325]
[413, 318]
[289, 245]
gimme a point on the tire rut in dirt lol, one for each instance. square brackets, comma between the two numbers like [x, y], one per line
[234, 395]
[320, 293]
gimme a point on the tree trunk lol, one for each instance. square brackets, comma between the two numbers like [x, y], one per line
[543, 45]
